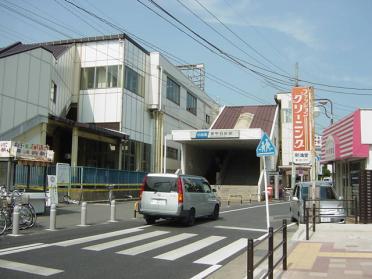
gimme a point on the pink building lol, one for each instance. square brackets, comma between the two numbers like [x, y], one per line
[347, 145]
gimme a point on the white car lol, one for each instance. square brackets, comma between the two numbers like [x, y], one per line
[331, 208]
[173, 196]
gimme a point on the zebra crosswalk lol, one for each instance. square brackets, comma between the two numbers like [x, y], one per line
[211, 250]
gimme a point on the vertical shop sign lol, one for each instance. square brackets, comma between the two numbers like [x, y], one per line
[302, 124]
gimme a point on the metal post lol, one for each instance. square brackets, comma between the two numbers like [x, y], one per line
[52, 218]
[113, 211]
[356, 210]
[250, 254]
[304, 211]
[266, 194]
[306, 216]
[271, 254]
[83, 214]
[15, 221]
[314, 217]
[284, 244]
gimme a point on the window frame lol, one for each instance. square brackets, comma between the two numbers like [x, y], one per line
[173, 88]
[194, 101]
[53, 92]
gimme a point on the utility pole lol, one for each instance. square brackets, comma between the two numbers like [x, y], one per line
[293, 174]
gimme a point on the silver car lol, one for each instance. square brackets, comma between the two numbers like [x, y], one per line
[172, 196]
[329, 206]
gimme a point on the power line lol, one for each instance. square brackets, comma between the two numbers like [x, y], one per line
[237, 36]
[238, 60]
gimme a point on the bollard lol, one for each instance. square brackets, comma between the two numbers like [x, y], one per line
[15, 221]
[113, 211]
[83, 214]
[52, 219]
[135, 209]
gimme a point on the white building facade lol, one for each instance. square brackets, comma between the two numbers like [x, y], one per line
[101, 102]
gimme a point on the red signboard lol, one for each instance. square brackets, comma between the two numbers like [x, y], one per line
[302, 124]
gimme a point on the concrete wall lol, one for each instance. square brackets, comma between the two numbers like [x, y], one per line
[176, 117]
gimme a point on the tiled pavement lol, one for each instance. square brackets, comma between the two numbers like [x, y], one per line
[336, 251]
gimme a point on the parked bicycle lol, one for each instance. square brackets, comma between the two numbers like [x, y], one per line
[10, 199]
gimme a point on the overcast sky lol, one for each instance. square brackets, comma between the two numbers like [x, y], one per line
[253, 45]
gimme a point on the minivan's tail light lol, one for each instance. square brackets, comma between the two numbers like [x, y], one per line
[142, 187]
[179, 190]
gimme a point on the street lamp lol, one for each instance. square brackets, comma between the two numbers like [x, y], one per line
[322, 102]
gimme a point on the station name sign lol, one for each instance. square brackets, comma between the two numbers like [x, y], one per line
[215, 134]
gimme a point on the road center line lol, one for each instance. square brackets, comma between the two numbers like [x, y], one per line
[240, 228]
[19, 247]
[251, 207]
[26, 248]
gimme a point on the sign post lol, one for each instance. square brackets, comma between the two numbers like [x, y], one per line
[266, 148]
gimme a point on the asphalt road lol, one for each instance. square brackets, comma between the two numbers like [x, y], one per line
[131, 249]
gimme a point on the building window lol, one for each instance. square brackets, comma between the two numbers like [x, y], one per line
[207, 119]
[100, 77]
[113, 76]
[172, 153]
[134, 82]
[53, 92]
[87, 78]
[191, 103]
[173, 91]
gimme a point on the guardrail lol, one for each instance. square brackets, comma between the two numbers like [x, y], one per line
[269, 256]
[317, 217]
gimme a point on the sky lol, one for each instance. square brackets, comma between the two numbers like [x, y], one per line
[249, 48]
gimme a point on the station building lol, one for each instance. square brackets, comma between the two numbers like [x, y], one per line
[100, 101]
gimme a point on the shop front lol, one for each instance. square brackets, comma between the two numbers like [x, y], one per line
[347, 146]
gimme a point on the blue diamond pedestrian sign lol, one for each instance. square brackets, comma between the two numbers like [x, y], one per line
[265, 147]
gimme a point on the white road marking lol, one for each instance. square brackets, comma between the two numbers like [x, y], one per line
[251, 207]
[156, 244]
[20, 247]
[28, 268]
[188, 249]
[206, 272]
[115, 243]
[223, 253]
[240, 228]
[95, 237]
[26, 248]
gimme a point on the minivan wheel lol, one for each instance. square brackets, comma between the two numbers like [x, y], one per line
[190, 219]
[150, 220]
[216, 212]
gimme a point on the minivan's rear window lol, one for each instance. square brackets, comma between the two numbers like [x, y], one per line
[161, 184]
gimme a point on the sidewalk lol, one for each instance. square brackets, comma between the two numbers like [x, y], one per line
[69, 215]
[336, 251]
[333, 251]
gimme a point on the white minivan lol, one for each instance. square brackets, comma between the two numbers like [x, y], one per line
[177, 196]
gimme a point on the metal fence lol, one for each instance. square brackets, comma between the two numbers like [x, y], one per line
[269, 256]
[85, 180]
[313, 214]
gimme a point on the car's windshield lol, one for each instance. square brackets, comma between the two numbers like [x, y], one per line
[321, 192]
